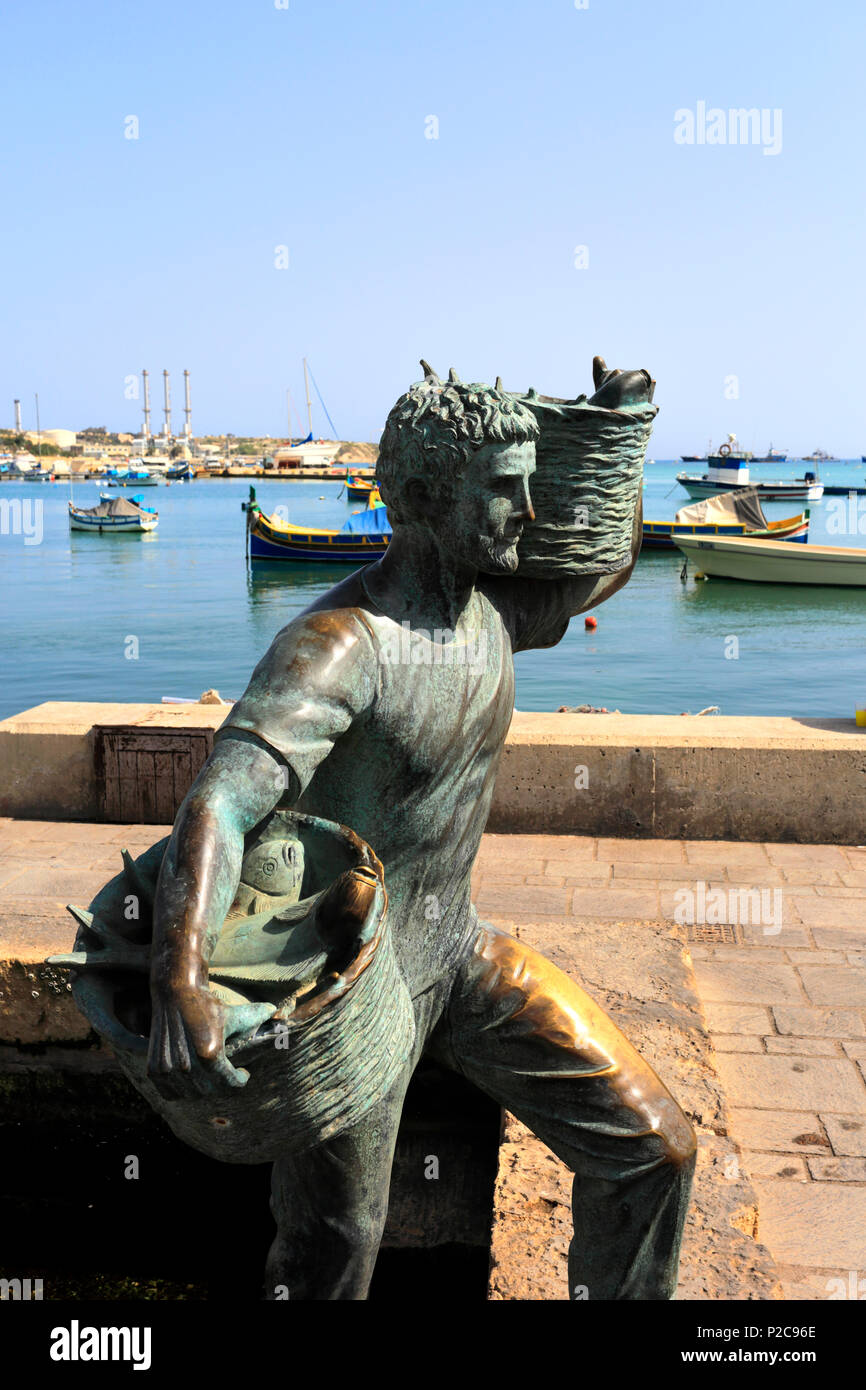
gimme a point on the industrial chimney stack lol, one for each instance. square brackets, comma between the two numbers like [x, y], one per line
[187, 408]
[167, 406]
[145, 382]
[17, 417]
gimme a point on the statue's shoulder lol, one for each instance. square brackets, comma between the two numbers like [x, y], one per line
[339, 625]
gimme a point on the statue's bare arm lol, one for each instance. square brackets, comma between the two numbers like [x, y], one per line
[239, 785]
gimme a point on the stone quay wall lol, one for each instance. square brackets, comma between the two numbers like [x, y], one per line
[633, 775]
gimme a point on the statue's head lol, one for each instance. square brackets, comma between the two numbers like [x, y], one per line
[457, 459]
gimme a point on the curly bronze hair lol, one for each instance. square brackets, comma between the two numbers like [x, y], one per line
[436, 427]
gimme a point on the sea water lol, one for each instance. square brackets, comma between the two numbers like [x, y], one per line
[135, 618]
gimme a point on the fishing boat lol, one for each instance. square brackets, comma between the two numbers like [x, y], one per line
[820, 456]
[775, 562]
[129, 477]
[773, 456]
[113, 516]
[362, 538]
[180, 473]
[736, 513]
[729, 470]
[358, 489]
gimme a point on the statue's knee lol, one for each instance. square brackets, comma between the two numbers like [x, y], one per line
[678, 1136]
[357, 1232]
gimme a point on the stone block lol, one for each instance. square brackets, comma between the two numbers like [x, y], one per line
[803, 1021]
[781, 1131]
[838, 1169]
[840, 985]
[801, 1047]
[736, 1042]
[743, 982]
[736, 1018]
[792, 1083]
[818, 1224]
[789, 1166]
[847, 1134]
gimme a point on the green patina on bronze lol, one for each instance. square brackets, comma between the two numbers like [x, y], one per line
[381, 713]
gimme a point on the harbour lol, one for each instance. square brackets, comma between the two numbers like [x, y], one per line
[201, 613]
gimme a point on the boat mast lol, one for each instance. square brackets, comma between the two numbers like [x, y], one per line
[309, 402]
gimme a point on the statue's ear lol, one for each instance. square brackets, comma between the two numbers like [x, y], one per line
[419, 496]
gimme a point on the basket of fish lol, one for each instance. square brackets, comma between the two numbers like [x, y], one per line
[308, 933]
[589, 473]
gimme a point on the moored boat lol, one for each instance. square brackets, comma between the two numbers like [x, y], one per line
[772, 456]
[129, 477]
[737, 513]
[775, 562]
[364, 537]
[113, 516]
[357, 489]
[729, 471]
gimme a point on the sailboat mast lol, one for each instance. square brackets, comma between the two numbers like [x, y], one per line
[309, 402]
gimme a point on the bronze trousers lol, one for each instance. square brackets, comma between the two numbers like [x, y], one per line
[523, 1032]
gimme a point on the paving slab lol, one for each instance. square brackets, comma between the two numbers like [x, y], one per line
[779, 1131]
[751, 1019]
[847, 1134]
[842, 985]
[797, 1047]
[773, 1165]
[747, 982]
[814, 1224]
[794, 1083]
[825, 1169]
[805, 1021]
[832, 912]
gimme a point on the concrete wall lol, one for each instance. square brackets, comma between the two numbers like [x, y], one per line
[644, 775]
[47, 754]
[670, 776]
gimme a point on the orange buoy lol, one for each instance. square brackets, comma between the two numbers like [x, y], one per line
[590, 621]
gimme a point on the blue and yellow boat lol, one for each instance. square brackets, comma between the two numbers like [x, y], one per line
[364, 537]
[359, 489]
[730, 514]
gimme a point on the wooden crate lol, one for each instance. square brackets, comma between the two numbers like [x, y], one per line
[144, 774]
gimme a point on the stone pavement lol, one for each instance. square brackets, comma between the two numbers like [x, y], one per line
[781, 976]
[784, 1000]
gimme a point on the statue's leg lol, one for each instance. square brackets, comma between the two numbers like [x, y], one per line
[524, 1032]
[330, 1205]
[330, 1202]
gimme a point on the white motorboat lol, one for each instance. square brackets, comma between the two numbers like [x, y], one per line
[775, 562]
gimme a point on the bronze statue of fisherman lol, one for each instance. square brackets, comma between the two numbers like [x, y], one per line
[384, 708]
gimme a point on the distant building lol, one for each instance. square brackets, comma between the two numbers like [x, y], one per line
[61, 439]
[306, 455]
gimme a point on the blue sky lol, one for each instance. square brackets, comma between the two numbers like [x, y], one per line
[305, 127]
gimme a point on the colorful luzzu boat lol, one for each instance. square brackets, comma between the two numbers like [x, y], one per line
[730, 514]
[358, 489]
[364, 537]
[114, 516]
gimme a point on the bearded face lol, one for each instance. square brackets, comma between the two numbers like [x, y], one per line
[489, 504]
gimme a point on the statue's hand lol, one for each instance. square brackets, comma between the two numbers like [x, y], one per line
[188, 1032]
